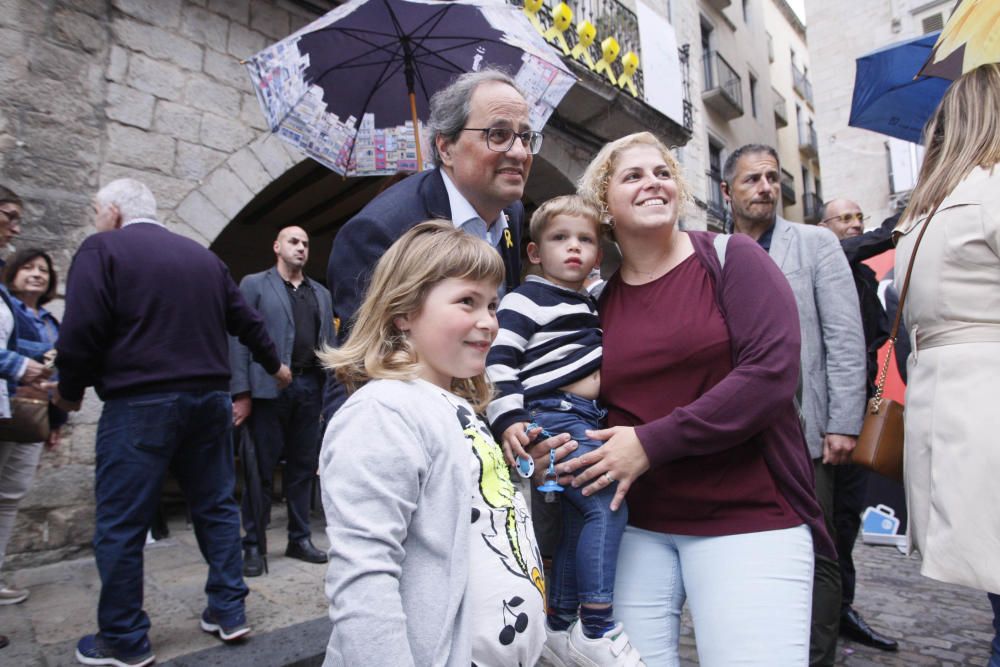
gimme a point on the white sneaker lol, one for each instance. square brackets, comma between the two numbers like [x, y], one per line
[555, 652]
[611, 650]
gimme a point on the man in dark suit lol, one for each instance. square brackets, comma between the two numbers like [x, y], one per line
[299, 318]
[147, 312]
[483, 146]
[844, 218]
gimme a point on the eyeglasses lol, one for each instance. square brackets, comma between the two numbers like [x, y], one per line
[846, 218]
[501, 139]
[13, 217]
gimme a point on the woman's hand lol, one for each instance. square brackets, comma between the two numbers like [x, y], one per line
[620, 459]
[563, 444]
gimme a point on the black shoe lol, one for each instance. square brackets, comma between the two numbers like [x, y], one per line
[254, 564]
[854, 627]
[304, 550]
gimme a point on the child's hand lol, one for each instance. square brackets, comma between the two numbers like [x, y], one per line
[515, 439]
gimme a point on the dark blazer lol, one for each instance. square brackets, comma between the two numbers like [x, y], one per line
[266, 292]
[364, 239]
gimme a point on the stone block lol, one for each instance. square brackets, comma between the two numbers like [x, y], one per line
[137, 148]
[201, 214]
[251, 113]
[169, 191]
[177, 120]
[14, 69]
[42, 173]
[204, 27]
[158, 43]
[237, 10]
[195, 162]
[224, 134]
[177, 226]
[79, 30]
[45, 137]
[152, 76]
[95, 8]
[23, 16]
[117, 64]
[166, 13]
[246, 165]
[56, 62]
[61, 487]
[268, 149]
[270, 20]
[130, 106]
[227, 69]
[244, 42]
[227, 192]
[202, 92]
[11, 42]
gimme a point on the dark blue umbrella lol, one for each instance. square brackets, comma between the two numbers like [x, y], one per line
[887, 97]
[371, 66]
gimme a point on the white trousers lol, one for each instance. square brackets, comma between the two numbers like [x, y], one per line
[18, 463]
[750, 596]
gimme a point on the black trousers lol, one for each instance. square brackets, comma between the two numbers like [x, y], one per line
[850, 485]
[289, 425]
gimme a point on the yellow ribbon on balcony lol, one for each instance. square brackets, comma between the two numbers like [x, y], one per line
[609, 51]
[630, 64]
[531, 9]
[562, 16]
[585, 33]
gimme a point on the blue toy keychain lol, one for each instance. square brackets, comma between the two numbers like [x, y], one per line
[526, 468]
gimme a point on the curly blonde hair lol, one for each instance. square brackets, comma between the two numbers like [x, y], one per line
[421, 258]
[593, 185]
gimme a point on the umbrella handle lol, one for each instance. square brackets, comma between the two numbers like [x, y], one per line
[416, 130]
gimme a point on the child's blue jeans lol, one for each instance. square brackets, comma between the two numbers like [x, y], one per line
[584, 567]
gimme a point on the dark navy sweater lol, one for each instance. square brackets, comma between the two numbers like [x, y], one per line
[148, 311]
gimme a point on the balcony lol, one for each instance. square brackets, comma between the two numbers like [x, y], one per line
[723, 86]
[780, 109]
[808, 143]
[719, 4]
[801, 84]
[610, 17]
[810, 208]
[787, 187]
[713, 195]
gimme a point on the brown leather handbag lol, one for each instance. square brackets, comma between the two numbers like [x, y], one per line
[29, 418]
[880, 444]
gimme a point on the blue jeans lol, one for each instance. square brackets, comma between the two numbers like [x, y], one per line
[995, 656]
[583, 570]
[138, 439]
[289, 424]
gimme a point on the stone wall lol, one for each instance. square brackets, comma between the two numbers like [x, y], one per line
[95, 90]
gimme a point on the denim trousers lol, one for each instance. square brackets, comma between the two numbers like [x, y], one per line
[138, 439]
[583, 570]
[750, 596]
[287, 424]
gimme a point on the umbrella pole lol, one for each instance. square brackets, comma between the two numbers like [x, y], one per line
[416, 130]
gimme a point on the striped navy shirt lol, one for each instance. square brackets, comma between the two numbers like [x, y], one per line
[549, 337]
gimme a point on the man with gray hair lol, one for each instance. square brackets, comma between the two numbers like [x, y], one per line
[483, 146]
[147, 312]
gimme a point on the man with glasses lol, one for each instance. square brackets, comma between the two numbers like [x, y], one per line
[844, 218]
[483, 145]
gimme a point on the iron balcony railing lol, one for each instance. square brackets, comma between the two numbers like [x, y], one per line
[610, 17]
[810, 207]
[780, 109]
[808, 141]
[787, 187]
[801, 85]
[720, 76]
[716, 204]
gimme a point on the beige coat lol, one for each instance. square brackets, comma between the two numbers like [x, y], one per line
[952, 312]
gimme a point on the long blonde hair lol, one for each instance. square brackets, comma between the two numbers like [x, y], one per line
[421, 258]
[593, 185]
[963, 133]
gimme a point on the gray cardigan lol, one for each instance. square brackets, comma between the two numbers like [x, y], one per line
[395, 475]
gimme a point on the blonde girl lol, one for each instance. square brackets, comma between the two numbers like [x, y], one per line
[432, 557]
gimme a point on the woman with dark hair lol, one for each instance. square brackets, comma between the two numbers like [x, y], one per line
[952, 313]
[30, 281]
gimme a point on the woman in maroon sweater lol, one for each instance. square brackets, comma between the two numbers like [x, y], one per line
[701, 364]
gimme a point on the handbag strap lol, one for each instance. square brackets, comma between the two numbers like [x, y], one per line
[880, 385]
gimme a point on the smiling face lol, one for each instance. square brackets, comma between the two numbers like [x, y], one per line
[32, 279]
[452, 331]
[642, 194]
[754, 190]
[834, 218]
[488, 179]
[568, 249]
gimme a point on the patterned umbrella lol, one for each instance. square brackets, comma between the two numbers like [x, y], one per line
[350, 88]
[970, 38]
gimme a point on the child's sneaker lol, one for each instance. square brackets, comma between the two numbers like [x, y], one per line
[555, 652]
[611, 650]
